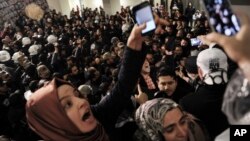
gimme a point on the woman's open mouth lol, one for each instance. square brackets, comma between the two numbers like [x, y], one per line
[86, 116]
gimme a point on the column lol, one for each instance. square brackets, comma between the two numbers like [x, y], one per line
[111, 6]
[130, 2]
[54, 4]
[92, 3]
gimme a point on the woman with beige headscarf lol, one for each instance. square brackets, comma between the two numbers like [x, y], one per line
[162, 119]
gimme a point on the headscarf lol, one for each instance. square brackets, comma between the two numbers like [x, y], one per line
[149, 116]
[236, 100]
[47, 117]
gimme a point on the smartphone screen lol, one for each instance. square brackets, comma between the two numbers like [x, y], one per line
[195, 42]
[143, 14]
[221, 17]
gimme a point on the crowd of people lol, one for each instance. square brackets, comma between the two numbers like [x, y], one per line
[94, 77]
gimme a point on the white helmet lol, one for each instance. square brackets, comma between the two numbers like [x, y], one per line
[52, 39]
[16, 55]
[92, 47]
[34, 49]
[26, 41]
[4, 56]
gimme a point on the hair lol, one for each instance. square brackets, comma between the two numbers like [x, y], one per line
[166, 71]
[33, 85]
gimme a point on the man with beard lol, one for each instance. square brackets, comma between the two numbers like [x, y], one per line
[171, 86]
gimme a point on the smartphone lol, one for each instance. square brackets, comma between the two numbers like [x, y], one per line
[195, 42]
[142, 13]
[221, 16]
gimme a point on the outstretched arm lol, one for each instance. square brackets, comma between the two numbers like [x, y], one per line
[112, 105]
[108, 110]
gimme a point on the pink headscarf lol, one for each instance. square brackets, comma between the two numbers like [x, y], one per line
[47, 117]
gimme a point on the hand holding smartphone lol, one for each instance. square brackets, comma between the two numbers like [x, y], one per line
[143, 14]
[221, 16]
[195, 42]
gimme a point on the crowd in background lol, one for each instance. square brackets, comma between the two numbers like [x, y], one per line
[86, 49]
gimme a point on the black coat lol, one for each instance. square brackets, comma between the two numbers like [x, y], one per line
[206, 104]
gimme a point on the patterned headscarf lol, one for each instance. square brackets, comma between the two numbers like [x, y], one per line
[47, 117]
[236, 100]
[149, 116]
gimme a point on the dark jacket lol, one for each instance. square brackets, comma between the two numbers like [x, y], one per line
[206, 104]
[4, 108]
[108, 110]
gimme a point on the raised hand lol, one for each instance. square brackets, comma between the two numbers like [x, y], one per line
[237, 47]
[141, 97]
[135, 39]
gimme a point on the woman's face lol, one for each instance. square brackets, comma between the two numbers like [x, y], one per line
[146, 67]
[175, 127]
[77, 109]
